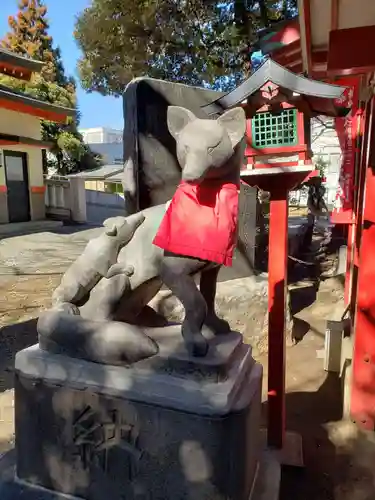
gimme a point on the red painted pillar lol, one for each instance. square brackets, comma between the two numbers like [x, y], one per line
[277, 283]
[361, 138]
[363, 379]
[363, 146]
[349, 264]
[348, 134]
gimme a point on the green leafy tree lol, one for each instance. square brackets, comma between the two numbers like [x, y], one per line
[28, 36]
[199, 42]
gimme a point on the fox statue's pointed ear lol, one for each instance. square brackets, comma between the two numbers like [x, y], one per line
[111, 231]
[234, 121]
[178, 118]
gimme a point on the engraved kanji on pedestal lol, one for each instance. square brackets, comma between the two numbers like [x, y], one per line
[95, 435]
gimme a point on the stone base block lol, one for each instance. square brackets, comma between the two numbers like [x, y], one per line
[138, 433]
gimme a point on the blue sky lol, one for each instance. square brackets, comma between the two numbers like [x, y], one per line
[96, 110]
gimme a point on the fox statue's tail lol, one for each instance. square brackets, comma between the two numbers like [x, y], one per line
[105, 342]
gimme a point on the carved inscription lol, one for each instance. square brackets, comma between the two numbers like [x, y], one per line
[95, 435]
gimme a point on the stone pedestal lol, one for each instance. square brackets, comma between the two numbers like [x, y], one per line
[168, 428]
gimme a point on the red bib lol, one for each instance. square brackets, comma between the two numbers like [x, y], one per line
[201, 222]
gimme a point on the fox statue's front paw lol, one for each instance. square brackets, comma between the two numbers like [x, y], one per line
[196, 344]
[217, 325]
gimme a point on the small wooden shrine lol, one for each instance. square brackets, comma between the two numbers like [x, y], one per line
[279, 106]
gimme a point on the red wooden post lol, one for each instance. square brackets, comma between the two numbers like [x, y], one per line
[278, 186]
[359, 201]
[349, 264]
[363, 380]
[355, 229]
[277, 282]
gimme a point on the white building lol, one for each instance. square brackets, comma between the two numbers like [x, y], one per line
[325, 146]
[101, 135]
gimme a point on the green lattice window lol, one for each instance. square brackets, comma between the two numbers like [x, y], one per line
[275, 130]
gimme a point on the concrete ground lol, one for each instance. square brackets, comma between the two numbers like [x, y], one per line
[339, 459]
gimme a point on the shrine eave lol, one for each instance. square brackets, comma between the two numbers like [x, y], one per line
[310, 96]
[279, 35]
[18, 66]
[16, 140]
[24, 103]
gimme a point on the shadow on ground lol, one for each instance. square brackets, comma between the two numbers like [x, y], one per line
[307, 413]
[302, 298]
[300, 328]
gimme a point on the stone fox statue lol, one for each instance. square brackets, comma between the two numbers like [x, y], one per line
[194, 233]
[199, 230]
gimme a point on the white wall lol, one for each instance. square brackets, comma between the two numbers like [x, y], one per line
[101, 206]
[104, 199]
[100, 135]
[14, 122]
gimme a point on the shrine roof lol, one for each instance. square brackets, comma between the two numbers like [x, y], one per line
[19, 101]
[278, 35]
[18, 66]
[310, 96]
[112, 173]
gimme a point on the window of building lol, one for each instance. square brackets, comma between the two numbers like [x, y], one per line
[114, 188]
[275, 130]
